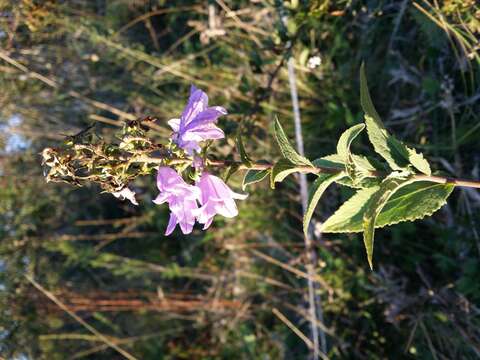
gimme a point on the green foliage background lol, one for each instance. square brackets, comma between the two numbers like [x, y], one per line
[212, 294]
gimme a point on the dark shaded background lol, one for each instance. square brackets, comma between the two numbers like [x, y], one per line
[66, 64]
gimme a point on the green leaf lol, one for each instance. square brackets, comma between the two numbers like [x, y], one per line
[397, 155]
[373, 209]
[333, 161]
[287, 149]
[241, 149]
[358, 168]
[282, 169]
[232, 169]
[254, 176]
[336, 162]
[419, 162]
[343, 145]
[412, 202]
[316, 191]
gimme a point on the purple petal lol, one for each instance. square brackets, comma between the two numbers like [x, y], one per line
[227, 208]
[162, 198]
[213, 188]
[187, 219]
[171, 224]
[210, 115]
[203, 133]
[205, 213]
[197, 103]
[238, 196]
[208, 223]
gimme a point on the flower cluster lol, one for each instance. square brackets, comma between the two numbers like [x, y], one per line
[196, 124]
[209, 195]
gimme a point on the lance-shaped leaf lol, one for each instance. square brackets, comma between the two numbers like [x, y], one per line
[373, 209]
[232, 169]
[283, 168]
[335, 162]
[241, 149]
[315, 193]
[412, 202]
[287, 149]
[343, 145]
[357, 167]
[397, 155]
[254, 176]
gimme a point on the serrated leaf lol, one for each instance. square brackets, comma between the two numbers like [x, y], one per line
[254, 176]
[360, 184]
[316, 191]
[343, 145]
[412, 202]
[335, 162]
[287, 149]
[241, 149]
[282, 169]
[397, 154]
[355, 171]
[419, 162]
[373, 209]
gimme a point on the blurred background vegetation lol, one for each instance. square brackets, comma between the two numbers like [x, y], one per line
[230, 292]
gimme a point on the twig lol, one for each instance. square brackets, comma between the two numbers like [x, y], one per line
[292, 269]
[90, 328]
[296, 330]
[54, 84]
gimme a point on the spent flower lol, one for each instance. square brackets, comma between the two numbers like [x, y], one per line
[126, 193]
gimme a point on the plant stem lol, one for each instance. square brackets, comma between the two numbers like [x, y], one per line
[447, 180]
[311, 170]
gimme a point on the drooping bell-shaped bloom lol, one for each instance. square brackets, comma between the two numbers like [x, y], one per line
[126, 193]
[216, 198]
[197, 122]
[181, 198]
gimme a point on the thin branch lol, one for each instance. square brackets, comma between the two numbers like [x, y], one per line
[54, 84]
[296, 330]
[90, 328]
[299, 273]
[316, 170]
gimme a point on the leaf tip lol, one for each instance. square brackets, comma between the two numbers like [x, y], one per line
[370, 262]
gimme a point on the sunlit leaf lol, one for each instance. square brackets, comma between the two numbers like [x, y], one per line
[373, 209]
[397, 155]
[254, 176]
[411, 202]
[287, 149]
[316, 191]
[241, 149]
[283, 168]
[343, 145]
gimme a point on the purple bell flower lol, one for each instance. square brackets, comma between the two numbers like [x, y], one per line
[197, 122]
[181, 198]
[216, 198]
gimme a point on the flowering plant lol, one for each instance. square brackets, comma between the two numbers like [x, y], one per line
[401, 188]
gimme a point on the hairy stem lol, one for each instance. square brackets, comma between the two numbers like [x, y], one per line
[313, 170]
